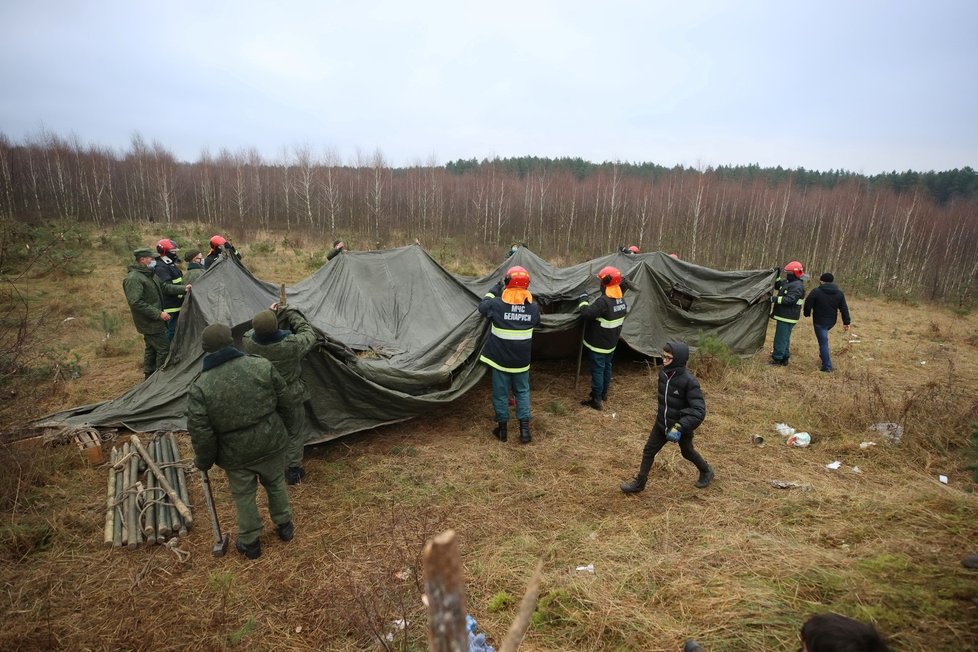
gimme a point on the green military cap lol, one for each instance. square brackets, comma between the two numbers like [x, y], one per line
[265, 323]
[144, 253]
[216, 337]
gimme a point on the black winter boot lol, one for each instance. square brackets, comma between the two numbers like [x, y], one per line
[294, 475]
[525, 432]
[634, 486]
[500, 431]
[593, 403]
[705, 478]
[286, 531]
[249, 550]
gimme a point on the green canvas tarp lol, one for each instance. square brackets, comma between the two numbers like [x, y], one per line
[401, 335]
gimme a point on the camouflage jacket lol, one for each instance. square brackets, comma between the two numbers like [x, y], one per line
[145, 299]
[286, 350]
[235, 411]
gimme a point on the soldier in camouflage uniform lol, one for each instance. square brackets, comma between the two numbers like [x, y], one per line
[237, 411]
[145, 298]
[285, 348]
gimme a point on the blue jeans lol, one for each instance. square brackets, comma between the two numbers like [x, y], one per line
[501, 384]
[822, 335]
[171, 326]
[782, 341]
[600, 374]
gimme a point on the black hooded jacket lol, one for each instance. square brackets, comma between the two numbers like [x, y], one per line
[823, 304]
[680, 397]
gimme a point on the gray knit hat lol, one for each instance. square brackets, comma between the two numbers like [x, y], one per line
[265, 323]
[216, 337]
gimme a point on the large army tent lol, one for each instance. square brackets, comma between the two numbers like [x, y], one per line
[401, 335]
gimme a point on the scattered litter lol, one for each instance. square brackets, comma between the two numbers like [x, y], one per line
[834, 465]
[784, 429]
[799, 439]
[942, 478]
[298, 629]
[867, 444]
[403, 574]
[67, 319]
[923, 362]
[757, 440]
[614, 415]
[856, 469]
[477, 641]
[787, 484]
[399, 626]
[586, 569]
[892, 432]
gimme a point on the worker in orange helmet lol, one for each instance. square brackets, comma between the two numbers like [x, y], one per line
[787, 299]
[219, 244]
[512, 315]
[604, 320]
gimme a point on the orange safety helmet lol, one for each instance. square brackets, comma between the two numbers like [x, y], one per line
[609, 276]
[217, 241]
[634, 249]
[795, 268]
[674, 256]
[517, 277]
[164, 247]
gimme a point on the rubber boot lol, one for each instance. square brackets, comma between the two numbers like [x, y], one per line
[593, 403]
[525, 432]
[500, 430]
[633, 486]
[706, 477]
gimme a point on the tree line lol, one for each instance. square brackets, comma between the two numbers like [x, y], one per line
[901, 234]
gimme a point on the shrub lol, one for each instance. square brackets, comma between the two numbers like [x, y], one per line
[712, 359]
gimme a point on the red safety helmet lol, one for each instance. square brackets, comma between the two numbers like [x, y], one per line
[674, 256]
[634, 249]
[795, 268]
[609, 276]
[217, 241]
[164, 247]
[517, 277]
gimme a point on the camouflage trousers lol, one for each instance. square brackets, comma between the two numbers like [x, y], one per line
[297, 437]
[157, 348]
[243, 484]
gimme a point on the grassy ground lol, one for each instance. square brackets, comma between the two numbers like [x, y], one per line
[739, 565]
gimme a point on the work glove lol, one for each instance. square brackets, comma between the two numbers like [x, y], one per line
[583, 297]
[774, 298]
[674, 434]
[203, 467]
[498, 288]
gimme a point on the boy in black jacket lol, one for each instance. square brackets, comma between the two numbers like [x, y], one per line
[682, 409]
[822, 305]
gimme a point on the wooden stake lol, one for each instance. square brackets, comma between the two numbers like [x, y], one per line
[445, 587]
[109, 505]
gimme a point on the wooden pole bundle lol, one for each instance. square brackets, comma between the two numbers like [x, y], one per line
[152, 513]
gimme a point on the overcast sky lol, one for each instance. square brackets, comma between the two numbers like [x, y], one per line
[868, 86]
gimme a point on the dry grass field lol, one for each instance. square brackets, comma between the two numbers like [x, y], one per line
[739, 565]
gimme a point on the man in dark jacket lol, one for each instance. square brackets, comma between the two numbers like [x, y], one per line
[822, 305]
[237, 414]
[513, 315]
[682, 409]
[195, 266]
[605, 318]
[284, 337]
[787, 298]
[145, 299]
[171, 282]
